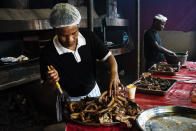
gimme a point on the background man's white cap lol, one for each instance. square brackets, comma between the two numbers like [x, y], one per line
[160, 17]
[64, 14]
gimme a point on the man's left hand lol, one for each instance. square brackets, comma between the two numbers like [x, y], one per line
[115, 84]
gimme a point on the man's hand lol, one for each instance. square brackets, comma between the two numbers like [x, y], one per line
[52, 75]
[173, 53]
[115, 84]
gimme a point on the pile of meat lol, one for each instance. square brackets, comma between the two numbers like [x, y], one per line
[165, 68]
[103, 110]
[153, 83]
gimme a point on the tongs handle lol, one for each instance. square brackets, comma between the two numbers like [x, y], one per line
[57, 84]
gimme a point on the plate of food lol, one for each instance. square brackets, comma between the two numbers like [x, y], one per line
[167, 118]
[164, 69]
[153, 85]
[102, 111]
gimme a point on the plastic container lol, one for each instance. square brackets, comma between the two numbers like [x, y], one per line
[131, 91]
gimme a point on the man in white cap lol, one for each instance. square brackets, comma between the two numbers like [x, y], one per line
[153, 50]
[72, 58]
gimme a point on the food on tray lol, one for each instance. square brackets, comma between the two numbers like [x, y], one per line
[14, 59]
[146, 74]
[165, 68]
[153, 83]
[103, 110]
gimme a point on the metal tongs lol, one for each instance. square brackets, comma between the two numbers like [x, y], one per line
[57, 84]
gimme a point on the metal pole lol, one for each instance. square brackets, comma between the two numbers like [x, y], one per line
[90, 15]
[138, 36]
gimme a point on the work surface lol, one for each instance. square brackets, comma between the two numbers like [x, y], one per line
[179, 95]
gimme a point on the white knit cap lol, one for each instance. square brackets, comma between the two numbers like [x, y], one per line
[160, 17]
[64, 14]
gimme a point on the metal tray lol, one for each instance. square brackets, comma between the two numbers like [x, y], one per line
[167, 118]
[156, 72]
[154, 92]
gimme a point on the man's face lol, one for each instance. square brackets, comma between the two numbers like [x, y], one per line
[160, 25]
[67, 35]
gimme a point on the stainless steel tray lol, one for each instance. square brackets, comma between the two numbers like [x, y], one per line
[167, 118]
[154, 71]
[154, 92]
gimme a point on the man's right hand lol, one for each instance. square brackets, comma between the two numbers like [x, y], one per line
[52, 75]
[171, 53]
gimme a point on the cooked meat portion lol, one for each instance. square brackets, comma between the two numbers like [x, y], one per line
[103, 110]
[153, 83]
[165, 68]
